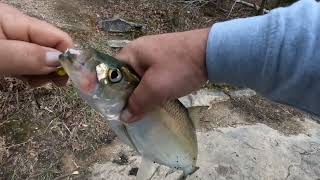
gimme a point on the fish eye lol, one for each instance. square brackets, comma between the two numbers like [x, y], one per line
[115, 75]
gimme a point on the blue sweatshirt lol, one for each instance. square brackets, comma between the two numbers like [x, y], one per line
[277, 54]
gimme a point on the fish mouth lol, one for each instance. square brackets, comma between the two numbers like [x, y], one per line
[80, 69]
[70, 55]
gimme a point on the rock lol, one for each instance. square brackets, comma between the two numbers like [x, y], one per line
[118, 43]
[74, 27]
[242, 93]
[245, 152]
[203, 97]
[122, 159]
[165, 173]
[133, 171]
[258, 152]
[129, 172]
[111, 171]
[118, 25]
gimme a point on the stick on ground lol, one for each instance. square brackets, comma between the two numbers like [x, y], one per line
[265, 11]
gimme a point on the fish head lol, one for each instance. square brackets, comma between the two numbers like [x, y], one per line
[80, 67]
[103, 81]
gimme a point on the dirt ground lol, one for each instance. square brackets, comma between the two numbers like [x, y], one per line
[49, 132]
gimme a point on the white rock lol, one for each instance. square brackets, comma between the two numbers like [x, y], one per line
[203, 97]
[245, 152]
[243, 93]
[258, 152]
[118, 43]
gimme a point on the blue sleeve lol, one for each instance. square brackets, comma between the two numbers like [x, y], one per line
[277, 54]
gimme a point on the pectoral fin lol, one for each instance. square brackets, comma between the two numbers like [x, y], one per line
[121, 131]
[147, 169]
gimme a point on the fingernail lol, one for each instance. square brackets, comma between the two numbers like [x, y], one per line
[126, 116]
[52, 58]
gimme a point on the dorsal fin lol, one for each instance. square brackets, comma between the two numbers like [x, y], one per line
[194, 117]
[176, 109]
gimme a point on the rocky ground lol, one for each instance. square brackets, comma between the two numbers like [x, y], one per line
[49, 133]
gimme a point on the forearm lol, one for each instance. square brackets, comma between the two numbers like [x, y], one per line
[277, 54]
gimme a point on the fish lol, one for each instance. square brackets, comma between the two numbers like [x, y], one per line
[166, 135]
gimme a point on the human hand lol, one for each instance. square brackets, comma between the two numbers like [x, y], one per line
[171, 65]
[29, 48]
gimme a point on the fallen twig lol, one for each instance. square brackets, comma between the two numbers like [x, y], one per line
[65, 176]
[232, 7]
[45, 171]
[193, 1]
[198, 3]
[16, 145]
[262, 5]
[4, 122]
[67, 128]
[256, 7]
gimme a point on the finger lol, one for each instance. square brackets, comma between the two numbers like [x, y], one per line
[5, 9]
[149, 94]
[127, 55]
[22, 58]
[16, 26]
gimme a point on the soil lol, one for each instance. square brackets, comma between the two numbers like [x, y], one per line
[49, 132]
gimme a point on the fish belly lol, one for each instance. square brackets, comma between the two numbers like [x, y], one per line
[154, 140]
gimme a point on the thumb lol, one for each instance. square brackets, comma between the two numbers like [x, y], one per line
[23, 58]
[145, 97]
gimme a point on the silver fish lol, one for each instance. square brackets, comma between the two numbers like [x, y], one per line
[165, 136]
